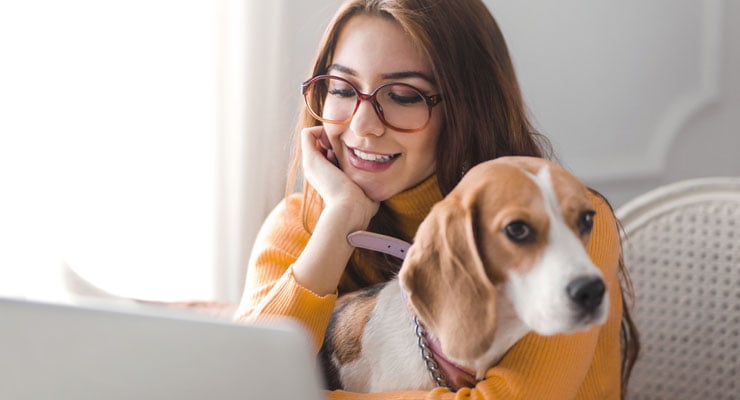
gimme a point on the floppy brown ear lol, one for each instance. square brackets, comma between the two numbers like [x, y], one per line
[446, 282]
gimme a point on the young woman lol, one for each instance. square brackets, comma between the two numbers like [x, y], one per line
[405, 96]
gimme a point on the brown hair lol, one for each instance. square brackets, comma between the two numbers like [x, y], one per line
[484, 115]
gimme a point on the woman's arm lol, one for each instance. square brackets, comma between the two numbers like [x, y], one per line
[346, 209]
[295, 273]
[585, 365]
[271, 288]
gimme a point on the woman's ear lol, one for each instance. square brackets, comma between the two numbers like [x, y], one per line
[446, 282]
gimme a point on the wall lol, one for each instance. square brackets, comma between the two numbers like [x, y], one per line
[633, 94]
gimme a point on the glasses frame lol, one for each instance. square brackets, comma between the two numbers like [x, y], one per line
[431, 101]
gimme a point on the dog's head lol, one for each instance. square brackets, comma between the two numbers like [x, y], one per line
[514, 224]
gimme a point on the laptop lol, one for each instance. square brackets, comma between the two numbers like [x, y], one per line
[55, 351]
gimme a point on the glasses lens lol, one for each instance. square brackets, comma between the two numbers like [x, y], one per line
[403, 106]
[336, 99]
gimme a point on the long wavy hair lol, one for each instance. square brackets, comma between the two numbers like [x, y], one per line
[484, 115]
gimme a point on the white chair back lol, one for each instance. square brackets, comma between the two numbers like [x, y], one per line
[682, 249]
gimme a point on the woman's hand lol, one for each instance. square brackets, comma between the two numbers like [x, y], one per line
[347, 209]
[340, 194]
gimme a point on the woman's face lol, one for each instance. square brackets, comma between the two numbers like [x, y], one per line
[372, 51]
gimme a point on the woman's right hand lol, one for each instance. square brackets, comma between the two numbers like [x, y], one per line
[320, 266]
[340, 194]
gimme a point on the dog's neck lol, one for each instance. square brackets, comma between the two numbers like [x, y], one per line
[509, 329]
[460, 373]
[457, 373]
[444, 372]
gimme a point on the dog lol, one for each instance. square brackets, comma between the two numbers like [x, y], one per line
[501, 255]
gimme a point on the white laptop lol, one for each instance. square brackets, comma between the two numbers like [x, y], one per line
[52, 351]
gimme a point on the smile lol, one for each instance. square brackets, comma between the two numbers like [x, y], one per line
[379, 158]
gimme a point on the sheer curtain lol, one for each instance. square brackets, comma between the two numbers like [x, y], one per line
[254, 133]
[266, 54]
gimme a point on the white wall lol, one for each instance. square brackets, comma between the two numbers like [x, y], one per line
[633, 94]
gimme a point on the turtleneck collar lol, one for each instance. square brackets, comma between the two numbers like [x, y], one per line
[411, 206]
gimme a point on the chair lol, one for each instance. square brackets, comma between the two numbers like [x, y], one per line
[682, 248]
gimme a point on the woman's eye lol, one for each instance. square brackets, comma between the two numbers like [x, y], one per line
[405, 96]
[412, 99]
[340, 89]
[586, 221]
[340, 92]
[519, 232]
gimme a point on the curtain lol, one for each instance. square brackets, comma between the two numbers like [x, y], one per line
[266, 52]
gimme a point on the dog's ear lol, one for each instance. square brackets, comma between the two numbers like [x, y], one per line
[446, 281]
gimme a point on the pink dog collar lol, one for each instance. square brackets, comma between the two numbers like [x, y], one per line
[377, 242]
[455, 374]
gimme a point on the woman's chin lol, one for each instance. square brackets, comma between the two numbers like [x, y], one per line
[375, 191]
[378, 195]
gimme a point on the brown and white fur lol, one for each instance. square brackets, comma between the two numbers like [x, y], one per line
[502, 255]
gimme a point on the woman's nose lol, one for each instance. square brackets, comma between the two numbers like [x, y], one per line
[366, 120]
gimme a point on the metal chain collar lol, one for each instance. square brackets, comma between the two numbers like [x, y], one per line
[429, 361]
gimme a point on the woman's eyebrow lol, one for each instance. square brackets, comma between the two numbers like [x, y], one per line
[388, 76]
[408, 74]
[341, 68]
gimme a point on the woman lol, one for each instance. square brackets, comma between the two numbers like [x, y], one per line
[440, 95]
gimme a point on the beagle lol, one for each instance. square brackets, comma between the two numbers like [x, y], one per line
[502, 255]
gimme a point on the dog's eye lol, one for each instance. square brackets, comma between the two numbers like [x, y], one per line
[586, 221]
[519, 232]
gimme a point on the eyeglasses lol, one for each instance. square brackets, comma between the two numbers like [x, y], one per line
[399, 106]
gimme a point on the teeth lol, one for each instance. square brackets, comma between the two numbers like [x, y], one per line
[372, 157]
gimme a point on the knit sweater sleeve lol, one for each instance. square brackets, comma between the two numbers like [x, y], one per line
[579, 366]
[271, 289]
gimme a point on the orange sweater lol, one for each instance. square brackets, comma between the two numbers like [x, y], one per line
[579, 366]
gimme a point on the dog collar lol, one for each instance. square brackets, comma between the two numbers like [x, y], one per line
[377, 242]
[454, 375]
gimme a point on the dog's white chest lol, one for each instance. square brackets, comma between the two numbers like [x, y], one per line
[390, 358]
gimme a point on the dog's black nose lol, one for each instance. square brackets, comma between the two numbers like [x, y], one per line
[587, 292]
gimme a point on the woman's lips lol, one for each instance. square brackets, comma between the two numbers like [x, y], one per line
[373, 162]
